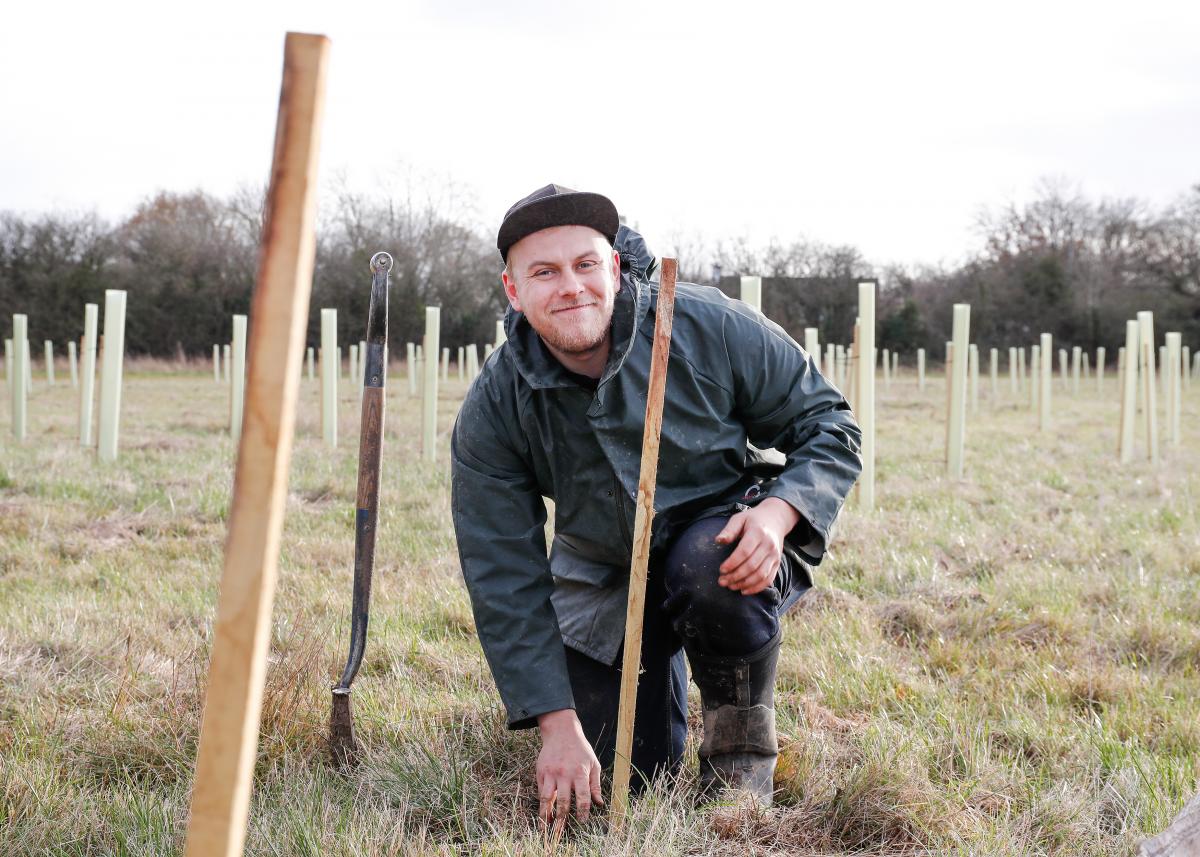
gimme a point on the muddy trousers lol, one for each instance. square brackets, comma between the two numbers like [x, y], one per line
[684, 604]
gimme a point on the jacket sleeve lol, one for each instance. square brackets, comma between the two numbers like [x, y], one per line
[786, 404]
[499, 519]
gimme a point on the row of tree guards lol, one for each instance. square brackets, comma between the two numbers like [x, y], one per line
[1141, 381]
[18, 372]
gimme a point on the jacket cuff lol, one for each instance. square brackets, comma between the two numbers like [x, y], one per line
[526, 717]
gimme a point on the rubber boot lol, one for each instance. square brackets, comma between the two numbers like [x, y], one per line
[740, 747]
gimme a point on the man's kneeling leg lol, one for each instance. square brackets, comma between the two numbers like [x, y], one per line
[732, 642]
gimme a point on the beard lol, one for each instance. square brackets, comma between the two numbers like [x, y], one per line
[576, 338]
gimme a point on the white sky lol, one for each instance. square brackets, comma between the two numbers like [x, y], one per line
[883, 125]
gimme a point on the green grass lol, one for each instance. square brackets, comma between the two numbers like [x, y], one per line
[1003, 665]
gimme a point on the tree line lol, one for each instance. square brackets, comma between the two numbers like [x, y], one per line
[1060, 263]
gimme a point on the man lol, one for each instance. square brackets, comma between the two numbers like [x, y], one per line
[758, 452]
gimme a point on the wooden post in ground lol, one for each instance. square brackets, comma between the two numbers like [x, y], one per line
[110, 374]
[752, 292]
[920, 368]
[1100, 369]
[239, 377]
[73, 363]
[643, 520]
[1147, 371]
[429, 400]
[865, 404]
[49, 349]
[233, 707]
[329, 377]
[1045, 380]
[87, 387]
[1174, 374]
[957, 417]
[20, 323]
[1076, 353]
[1127, 374]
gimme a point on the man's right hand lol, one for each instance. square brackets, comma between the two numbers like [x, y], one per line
[566, 764]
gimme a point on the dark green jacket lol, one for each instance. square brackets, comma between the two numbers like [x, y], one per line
[528, 430]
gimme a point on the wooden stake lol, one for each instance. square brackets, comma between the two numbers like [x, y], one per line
[635, 608]
[229, 731]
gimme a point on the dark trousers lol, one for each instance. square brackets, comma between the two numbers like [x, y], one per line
[684, 603]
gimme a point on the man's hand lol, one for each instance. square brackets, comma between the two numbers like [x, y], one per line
[759, 533]
[566, 763]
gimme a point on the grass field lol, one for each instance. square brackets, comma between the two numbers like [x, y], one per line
[1005, 665]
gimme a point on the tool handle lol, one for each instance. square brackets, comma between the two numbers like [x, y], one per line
[370, 449]
[635, 608]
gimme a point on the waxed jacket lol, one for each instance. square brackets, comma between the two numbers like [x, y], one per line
[527, 430]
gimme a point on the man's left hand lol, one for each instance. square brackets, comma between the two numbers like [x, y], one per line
[759, 533]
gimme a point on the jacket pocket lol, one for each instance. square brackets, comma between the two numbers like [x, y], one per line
[569, 562]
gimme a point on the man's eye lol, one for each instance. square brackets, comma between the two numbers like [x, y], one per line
[587, 265]
[543, 271]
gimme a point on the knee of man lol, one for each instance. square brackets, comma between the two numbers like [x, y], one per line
[694, 560]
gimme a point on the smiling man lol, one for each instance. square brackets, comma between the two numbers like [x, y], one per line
[758, 452]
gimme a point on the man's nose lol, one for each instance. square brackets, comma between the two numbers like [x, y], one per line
[570, 284]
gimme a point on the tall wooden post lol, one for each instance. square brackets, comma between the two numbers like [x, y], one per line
[110, 374]
[233, 706]
[238, 371]
[1149, 376]
[329, 376]
[429, 401]
[958, 387]
[865, 402]
[87, 387]
[752, 292]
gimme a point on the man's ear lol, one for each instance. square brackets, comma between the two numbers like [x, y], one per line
[616, 266]
[510, 290]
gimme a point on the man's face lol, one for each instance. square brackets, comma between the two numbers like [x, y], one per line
[564, 280]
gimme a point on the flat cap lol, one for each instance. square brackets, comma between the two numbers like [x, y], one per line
[555, 205]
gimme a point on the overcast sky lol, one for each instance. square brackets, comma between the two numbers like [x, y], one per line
[883, 125]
